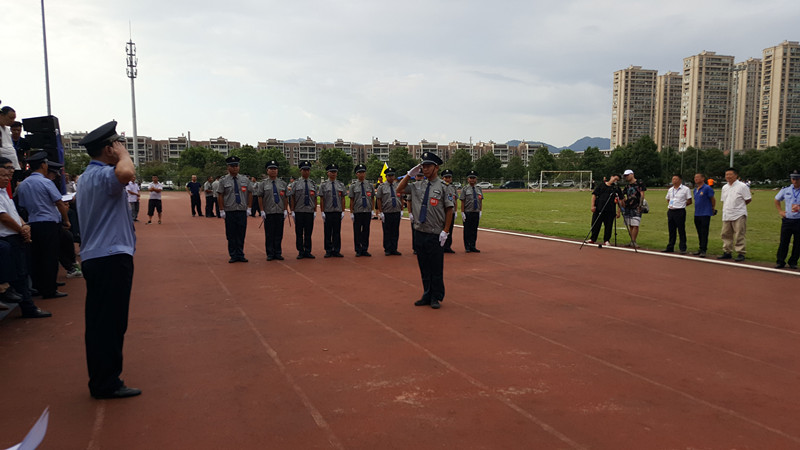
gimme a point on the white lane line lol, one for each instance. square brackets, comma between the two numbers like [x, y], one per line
[99, 418]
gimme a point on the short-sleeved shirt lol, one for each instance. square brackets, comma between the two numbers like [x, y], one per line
[678, 197]
[227, 188]
[39, 195]
[438, 202]
[265, 190]
[358, 191]
[384, 193]
[790, 196]
[106, 223]
[702, 201]
[468, 196]
[7, 207]
[7, 146]
[326, 193]
[633, 197]
[297, 191]
[194, 187]
[604, 198]
[734, 200]
[453, 192]
[132, 187]
[208, 186]
[156, 195]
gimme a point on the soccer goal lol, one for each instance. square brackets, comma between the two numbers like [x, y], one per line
[562, 179]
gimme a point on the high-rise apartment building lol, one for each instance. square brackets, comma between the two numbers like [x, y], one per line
[779, 115]
[705, 102]
[632, 105]
[746, 81]
[667, 123]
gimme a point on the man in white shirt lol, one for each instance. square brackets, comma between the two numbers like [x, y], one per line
[133, 198]
[679, 197]
[735, 197]
[154, 204]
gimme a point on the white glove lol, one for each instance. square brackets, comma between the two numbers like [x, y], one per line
[383, 218]
[410, 216]
[443, 238]
[222, 214]
[373, 213]
[480, 214]
[463, 216]
[414, 171]
[292, 214]
[248, 211]
[323, 216]
[342, 218]
[315, 214]
[286, 213]
[264, 215]
[352, 217]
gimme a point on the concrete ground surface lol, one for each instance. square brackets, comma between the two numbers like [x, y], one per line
[538, 345]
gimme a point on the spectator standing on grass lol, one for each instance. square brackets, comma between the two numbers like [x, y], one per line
[790, 222]
[132, 189]
[735, 197]
[678, 197]
[471, 211]
[632, 204]
[193, 187]
[154, 204]
[605, 201]
[704, 208]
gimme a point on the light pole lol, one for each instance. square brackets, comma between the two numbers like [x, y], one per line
[46, 69]
[132, 60]
[735, 86]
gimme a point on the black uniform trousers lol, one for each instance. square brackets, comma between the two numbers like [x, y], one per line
[255, 207]
[448, 244]
[45, 239]
[273, 234]
[235, 231]
[676, 224]
[196, 205]
[702, 224]
[303, 227]
[211, 202]
[790, 228]
[391, 231]
[333, 232]
[66, 249]
[430, 257]
[108, 293]
[471, 229]
[606, 219]
[361, 225]
[14, 268]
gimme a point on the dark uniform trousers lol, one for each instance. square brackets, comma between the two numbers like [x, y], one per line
[676, 224]
[604, 218]
[361, 225]
[108, 292]
[448, 244]
[702, 224]
[333, 232]
[391, 231]
[235, 231]
[430, 257]
[255, 207]
[196, 204]
[66, 249]
[789, 228]
[45, 238]
[304, 226]
[211, 202]
[134, 211]
[471, 229]
[15, 266]
[273, 234]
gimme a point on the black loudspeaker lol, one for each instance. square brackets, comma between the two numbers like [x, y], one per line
[44, 124]
[46, 140]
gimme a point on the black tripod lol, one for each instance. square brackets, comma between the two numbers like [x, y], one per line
[615, 196]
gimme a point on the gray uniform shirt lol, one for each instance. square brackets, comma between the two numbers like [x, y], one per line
[264, 190]
[453, 193]
[468, 198]
[438, 201]
[226, 188]
[297, 191]
[384, 193]
[357, 193]
[326, 193]
[208, 187]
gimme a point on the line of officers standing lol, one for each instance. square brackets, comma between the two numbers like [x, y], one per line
[431, 202]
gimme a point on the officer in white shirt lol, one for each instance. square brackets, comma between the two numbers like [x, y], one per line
[679, 197]
[735, 196]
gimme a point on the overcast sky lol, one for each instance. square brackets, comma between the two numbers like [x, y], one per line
[250, 70]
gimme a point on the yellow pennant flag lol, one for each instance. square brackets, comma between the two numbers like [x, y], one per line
[382, 177]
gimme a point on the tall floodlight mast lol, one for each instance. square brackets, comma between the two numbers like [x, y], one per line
[132, 60]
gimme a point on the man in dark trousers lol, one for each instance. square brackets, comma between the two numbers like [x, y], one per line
[390, 210]
[273, 203]
[605, 206]
[234, 193]
[108, 244]
[193, 187]
[303, 202]
[471, 211]
[447, 177]
[331, 203]
[362, 196]
[211, 199]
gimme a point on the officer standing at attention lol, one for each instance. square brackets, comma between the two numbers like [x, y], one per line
[447, 177]
[211, 199]
[331, 203]
[471, 211]
[272, 197]
[46, 213]
[303, 203]
[234, 193]
[390, 210]
[433, 214]
[108, 244]
[417, 178]
[361, 204]
[790, 222]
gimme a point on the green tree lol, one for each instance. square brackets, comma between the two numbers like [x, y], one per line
[337, 156]
[488, 167]
[401, 161]
[515, 170]
[276, 154]
[251, 161]
[593, 160]
[640, 156]
[542, 160]
[568, 160]
[374, 168]
[75, 162]
[164, 171]
[460, 163]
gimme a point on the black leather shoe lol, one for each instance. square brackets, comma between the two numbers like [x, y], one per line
[422, 302]
[793, 266]
[59, 283]
[243, 259]
[666, 250]
[396, 253]
[232, 260]
[122, 392]
[697, 253]
[310, 256]
[387, 253]
[36, 314]
[56, 294]
[739, 257]
[270, 258]
[338, 255]
[279, 258]
[780, 265]
[365, 254]
[469, 250]
[35, 293]
[725, 256]
[10, 296]
[475, 250]
[358, 254]
[435, 304]
[449, 250]
[327, 255]
[301, 256]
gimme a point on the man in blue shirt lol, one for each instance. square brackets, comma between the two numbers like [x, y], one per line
[790, 222]
[107, 252]
[46, 213]
[704, 203]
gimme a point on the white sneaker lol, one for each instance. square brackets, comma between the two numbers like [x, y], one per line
[75, 273]
[606, 243]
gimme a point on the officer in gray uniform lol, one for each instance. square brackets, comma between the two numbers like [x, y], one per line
[390, 210]
[471, 210]
[234, 193]
[331, 203]
[272, 198]
[303, 203]
[433, 214]
[417, 178]
[447, 177]
[362, 197]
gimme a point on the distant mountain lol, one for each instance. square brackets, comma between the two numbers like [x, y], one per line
[586, 142]
[552, 148]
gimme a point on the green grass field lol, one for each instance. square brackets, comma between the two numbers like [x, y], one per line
[566, 214]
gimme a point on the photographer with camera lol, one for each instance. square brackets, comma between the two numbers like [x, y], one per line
[633, 205]
[605, 201]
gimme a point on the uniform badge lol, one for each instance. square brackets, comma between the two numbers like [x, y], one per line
[244, 188]
[480, 196]
[281, 193]
[369, 194]
[434, 201]
[312, 193]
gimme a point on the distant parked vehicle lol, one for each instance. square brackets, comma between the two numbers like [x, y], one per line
[533, 184]
[513, 185]
[145, 186]
[568, 183]
[485, 185]
[557, 184]
[169, 186]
